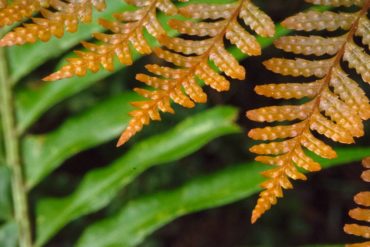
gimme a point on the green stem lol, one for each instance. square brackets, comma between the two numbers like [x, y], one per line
[2, 154]
[12, 153]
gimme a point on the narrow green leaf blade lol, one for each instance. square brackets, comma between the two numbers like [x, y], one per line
[43, 153]
[99, 187]
[33, 102]
[142, 216]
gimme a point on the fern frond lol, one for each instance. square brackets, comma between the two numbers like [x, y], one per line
[127, 29]
[334, 105]
[191, 58]
[361, 214]
[66, 16]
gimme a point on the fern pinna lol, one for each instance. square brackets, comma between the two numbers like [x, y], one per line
[361, 214]
[128, 28]
[66, 16]
[334, 105]
[191, 58]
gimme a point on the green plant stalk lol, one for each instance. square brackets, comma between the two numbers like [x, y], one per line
[2, 155]
[13, 160]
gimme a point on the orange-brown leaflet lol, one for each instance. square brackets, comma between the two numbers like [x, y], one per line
[345, 107]
[361, 213]
[191, 57]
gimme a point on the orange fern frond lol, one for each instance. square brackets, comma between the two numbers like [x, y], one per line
[361, 214]
[191, 58]
[334, 104]
[128, 28]
[66, 16]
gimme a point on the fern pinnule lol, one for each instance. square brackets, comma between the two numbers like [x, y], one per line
[127, 29]
[191, 58]
[360, 213]
[338, 3]
[66, 16]
[19, 10]
[333, 105]
[363, 30]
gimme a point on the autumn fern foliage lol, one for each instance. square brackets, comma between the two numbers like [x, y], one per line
[360, 213]
[333, 105]
[191, 58]
[57, 17]
[126, 29]
[3, 3]
[207, 25]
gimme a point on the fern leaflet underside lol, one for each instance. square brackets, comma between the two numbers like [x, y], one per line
[58, 16]
[361, 214]
[336, 106]
[191, 58]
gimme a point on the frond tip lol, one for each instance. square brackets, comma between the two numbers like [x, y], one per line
[333, 105]
[66, 17]
[191, 58]
[361, 214]
[128, 28]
